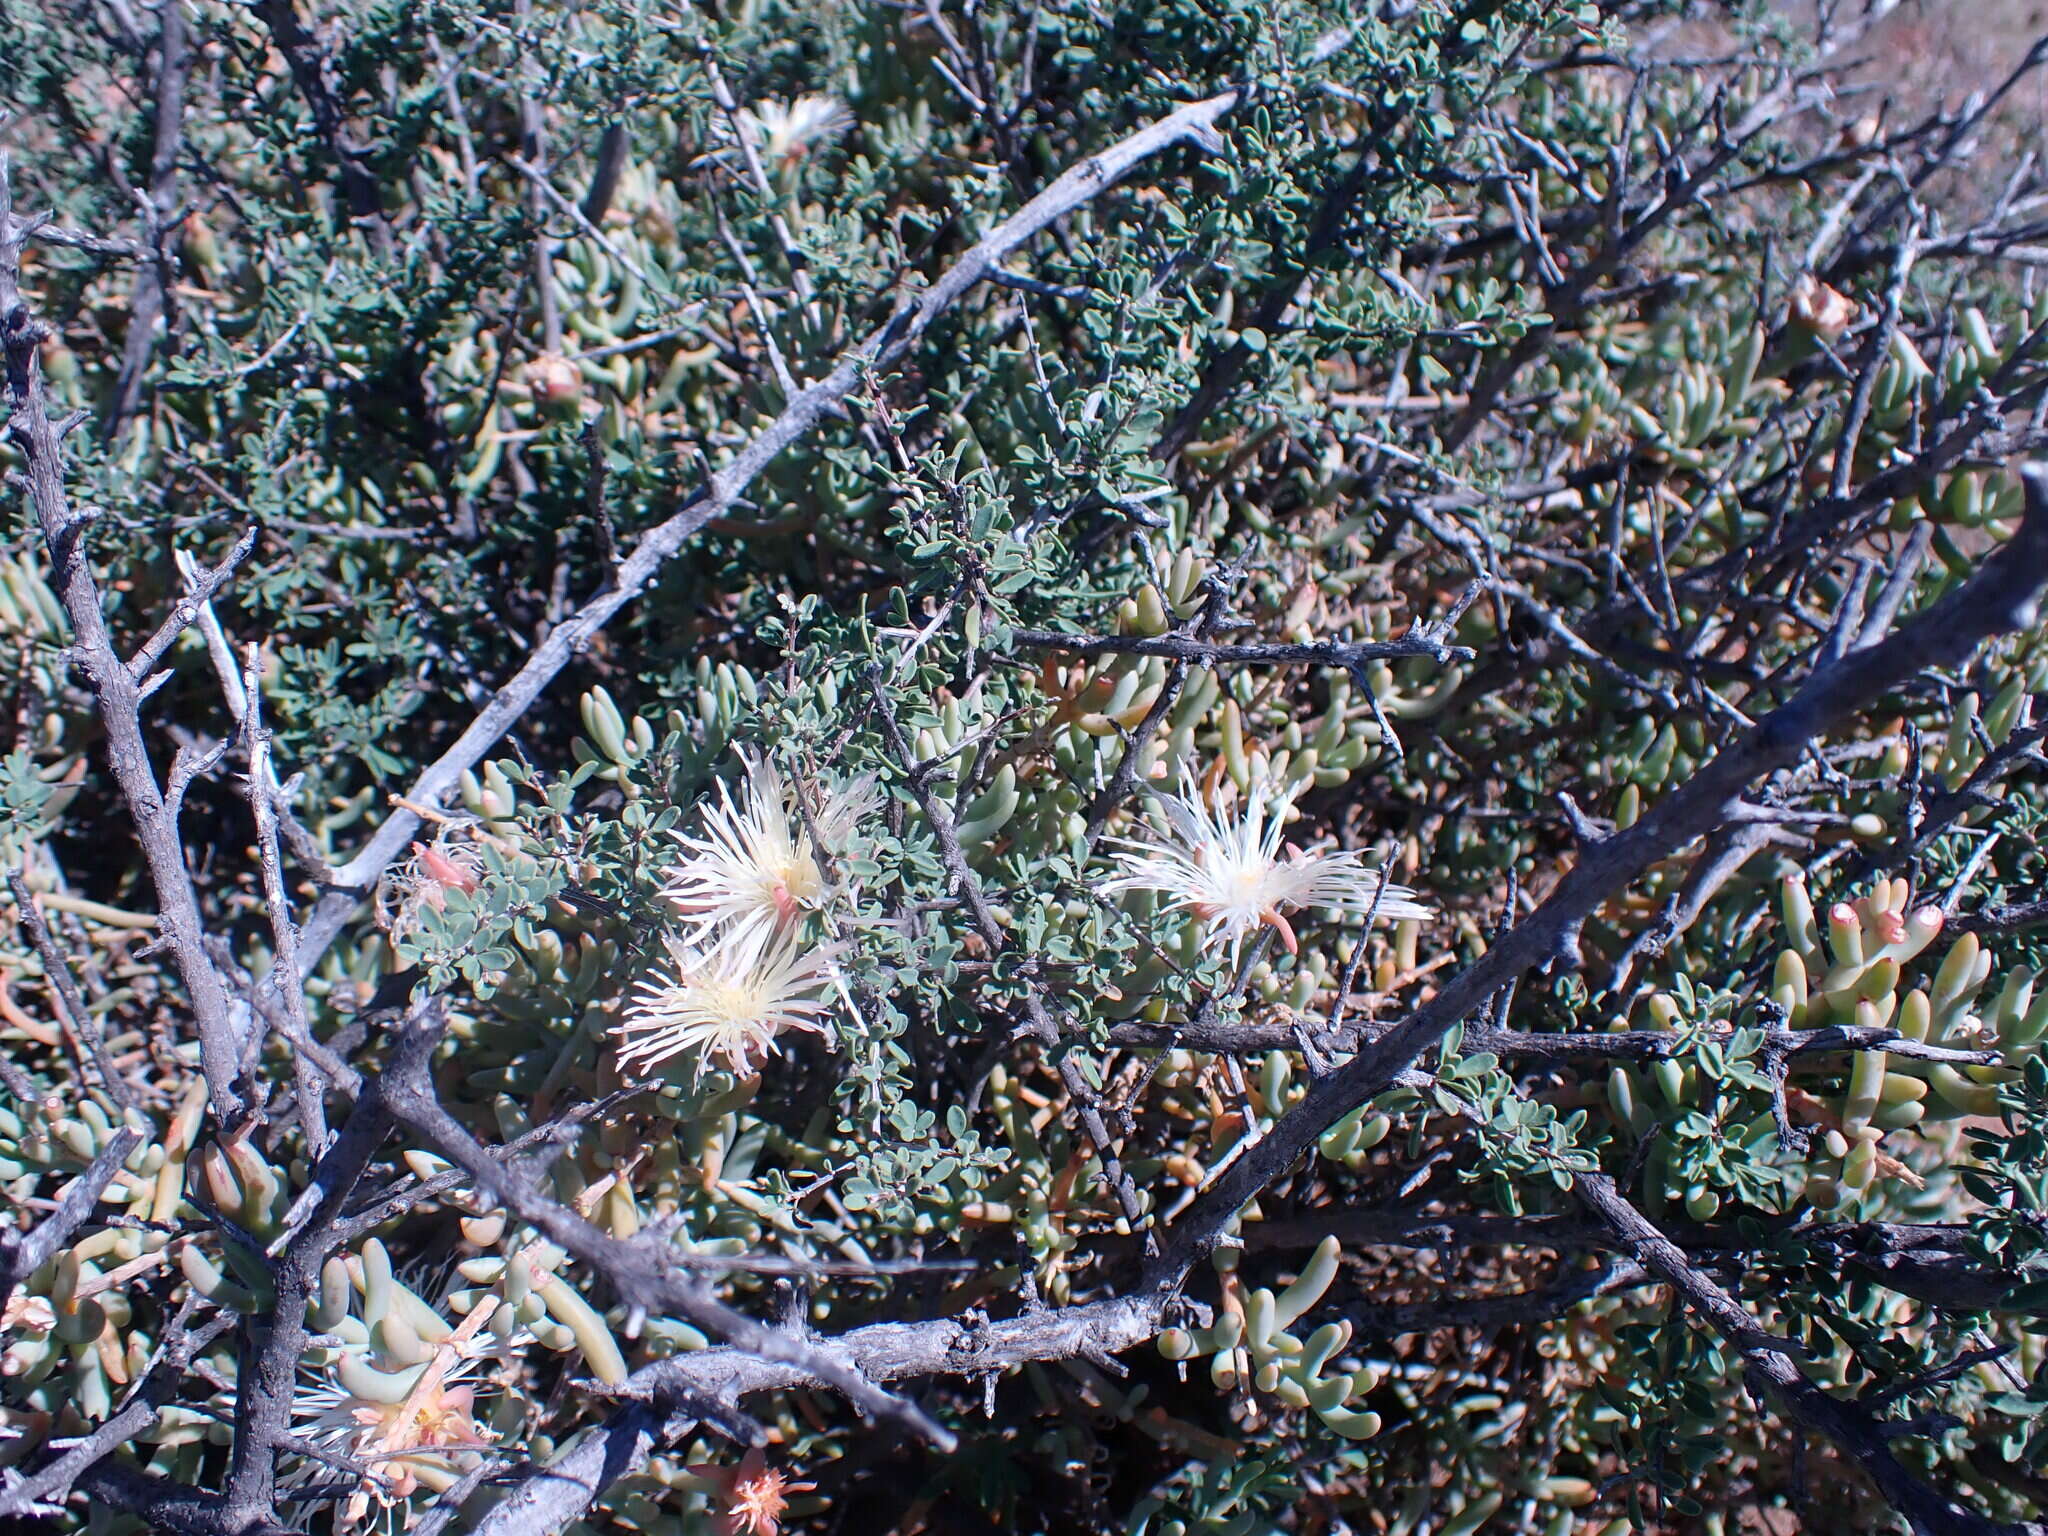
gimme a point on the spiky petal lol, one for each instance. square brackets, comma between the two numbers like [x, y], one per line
[426, 1440]
[753, 866]
[727, 1001]
[783, 132]
[1235, 874]
[756, 1495]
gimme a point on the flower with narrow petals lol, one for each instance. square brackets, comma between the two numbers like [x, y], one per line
[782, 133]
[444, 1418]
[1234, 873]
[427, 1440]
[846, 808]
[727, 1001]
[755, 1495]
[753, 865]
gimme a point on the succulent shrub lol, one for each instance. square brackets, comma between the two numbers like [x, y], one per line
[1180, 768]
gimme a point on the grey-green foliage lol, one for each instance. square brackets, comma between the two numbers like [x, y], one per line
[1235, 390]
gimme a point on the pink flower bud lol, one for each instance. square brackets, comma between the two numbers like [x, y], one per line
[1818, 309]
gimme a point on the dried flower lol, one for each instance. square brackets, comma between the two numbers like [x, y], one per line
[441, 868]
[1230, 871]
[32, 1314]
[727, 1001]
[755, 1495]
[428, 876]
[753, 866]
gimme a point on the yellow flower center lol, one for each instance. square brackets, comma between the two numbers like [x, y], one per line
[731, 1002]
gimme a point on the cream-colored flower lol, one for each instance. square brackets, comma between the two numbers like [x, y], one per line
[1229, 869]
[782, 133]
[753, 866]
[846, 808]
[727, 1001]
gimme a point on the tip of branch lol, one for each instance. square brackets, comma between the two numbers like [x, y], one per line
[1590, 832]
[2034, 480]
[2029, 546]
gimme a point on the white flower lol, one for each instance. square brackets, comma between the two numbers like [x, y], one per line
[753, 866]
[783, 132]
[846, 808]
[727, 1001]
[1228, 870]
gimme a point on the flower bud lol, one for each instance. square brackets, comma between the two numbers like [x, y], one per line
[556, 385]
[1818, 309]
